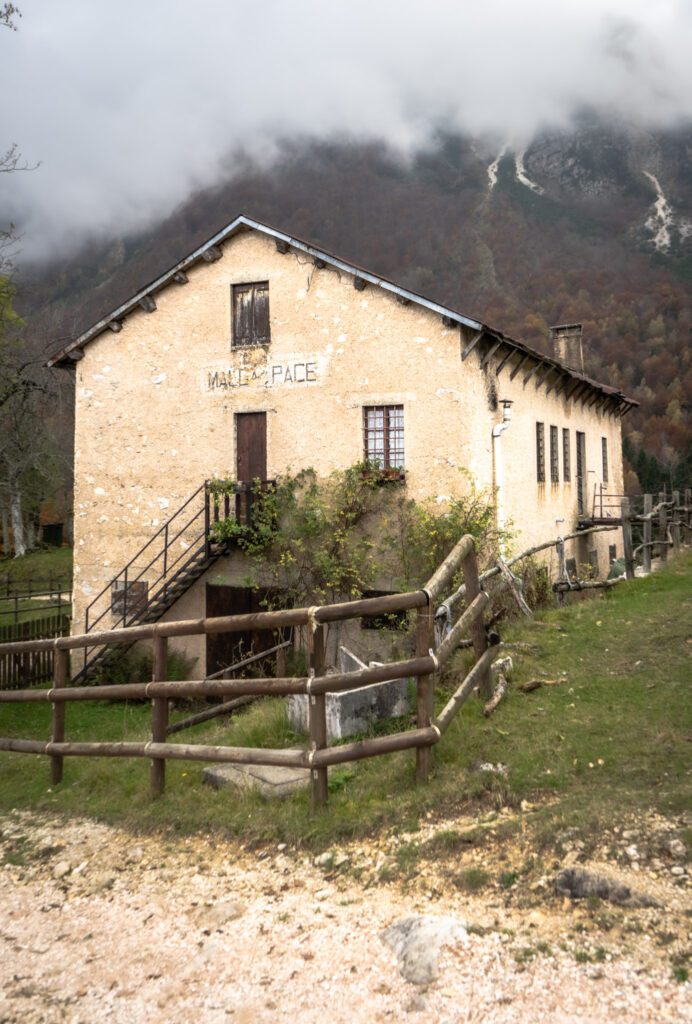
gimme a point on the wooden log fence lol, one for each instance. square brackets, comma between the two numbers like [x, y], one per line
[424, 667]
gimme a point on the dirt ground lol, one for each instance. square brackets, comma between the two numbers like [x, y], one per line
[96, 924]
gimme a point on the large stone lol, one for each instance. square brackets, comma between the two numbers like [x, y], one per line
[582, 883]
[270, 780]
[354, 711]
[417, 941]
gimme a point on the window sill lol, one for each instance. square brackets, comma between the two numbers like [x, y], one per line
[384, 476]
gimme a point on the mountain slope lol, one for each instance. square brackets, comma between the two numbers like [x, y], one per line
[591, 225]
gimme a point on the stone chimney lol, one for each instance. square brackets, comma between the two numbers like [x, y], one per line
[567, 346]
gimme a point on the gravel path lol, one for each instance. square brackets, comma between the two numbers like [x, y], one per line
[96, 925]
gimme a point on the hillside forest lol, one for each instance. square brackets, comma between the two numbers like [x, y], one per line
[569, 230]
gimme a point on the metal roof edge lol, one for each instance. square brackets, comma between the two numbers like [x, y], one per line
[243, 221]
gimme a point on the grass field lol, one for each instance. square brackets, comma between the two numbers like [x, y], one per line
[37, 565]
[609, 737]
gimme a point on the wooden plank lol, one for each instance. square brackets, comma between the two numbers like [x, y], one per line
[519, 365]
[647, 533]
[532, 371]
[425, 688]
[480, 641]
[505, 359]
[471, 345]
[490, 353]
[627, 538]
[159, 718]
[317, 715]
[662, 528]
[60, 673]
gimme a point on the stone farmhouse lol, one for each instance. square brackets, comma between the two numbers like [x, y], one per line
[259, 352]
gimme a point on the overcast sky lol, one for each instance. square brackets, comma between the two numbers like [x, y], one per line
[129, 105]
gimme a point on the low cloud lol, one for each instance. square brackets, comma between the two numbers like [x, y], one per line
[129, 106]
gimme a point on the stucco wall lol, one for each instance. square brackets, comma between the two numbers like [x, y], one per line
[154, 417]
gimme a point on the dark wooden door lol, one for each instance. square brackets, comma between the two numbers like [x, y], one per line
[251, 446]
[225, 649]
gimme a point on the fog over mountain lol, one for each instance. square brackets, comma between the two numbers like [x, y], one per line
[130, 107]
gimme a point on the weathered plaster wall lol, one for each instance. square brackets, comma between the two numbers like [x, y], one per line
[154, 417]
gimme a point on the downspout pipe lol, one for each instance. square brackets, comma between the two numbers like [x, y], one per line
[498, 470]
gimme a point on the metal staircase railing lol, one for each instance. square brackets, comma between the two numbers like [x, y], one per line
[170, 561]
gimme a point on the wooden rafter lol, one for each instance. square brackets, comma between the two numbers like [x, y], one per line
[505, 359]
[531, 372]
[359, 284]
[180, 277]
[148, 303]
[490, 353]
[472, 344]
[212, 254]
[282, 246]
[519, 365]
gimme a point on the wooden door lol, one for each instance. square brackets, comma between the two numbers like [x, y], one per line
[225, 649]
[251, 446]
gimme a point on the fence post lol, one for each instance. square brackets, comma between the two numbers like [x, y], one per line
[317, 712]
[159, 717]
[627, 538]
[425, 689]
[675, 530]
[61, 661]
[662, 530]
[647, 533]
[480, 641]
[688, 510]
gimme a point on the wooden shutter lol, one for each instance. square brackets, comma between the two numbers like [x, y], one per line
[251, 314]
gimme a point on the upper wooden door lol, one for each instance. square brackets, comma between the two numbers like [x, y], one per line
[251, 446]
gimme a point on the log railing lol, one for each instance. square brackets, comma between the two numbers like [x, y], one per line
[318, 757]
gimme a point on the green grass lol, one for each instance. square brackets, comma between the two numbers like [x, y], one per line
[622, 707]
[28, 611]
[38, 565]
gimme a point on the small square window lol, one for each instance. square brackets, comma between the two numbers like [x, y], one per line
[383, 435]
[250, 314]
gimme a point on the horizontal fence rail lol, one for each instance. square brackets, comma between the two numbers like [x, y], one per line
[423, 666]
[430, 603]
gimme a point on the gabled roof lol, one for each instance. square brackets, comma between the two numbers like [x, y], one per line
[486, 340]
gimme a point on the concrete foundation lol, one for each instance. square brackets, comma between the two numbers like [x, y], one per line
[270, 780]
[349, 713]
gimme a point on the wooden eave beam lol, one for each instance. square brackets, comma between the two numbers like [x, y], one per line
[282, 246]
[319, 263]
[212, 254]
[115, 325]
[569, 394]
[75, 355]
[490, 353]
[359, 284]
[561, 387]
[543, 376]
[450, 322]
[148, 303]
[505, 359]
[594, 398]
[403, 301]
[471, 345]
[531, 372]
[519, 365]
[180, 277]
